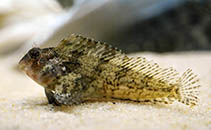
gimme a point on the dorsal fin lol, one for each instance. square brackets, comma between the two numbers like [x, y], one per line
[89, 47]
[147, 68]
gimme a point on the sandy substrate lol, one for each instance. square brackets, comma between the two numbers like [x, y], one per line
[23, 104]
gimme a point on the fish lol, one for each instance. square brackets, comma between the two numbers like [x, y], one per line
[81, 69]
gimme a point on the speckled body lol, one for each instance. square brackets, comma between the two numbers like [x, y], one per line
[81, 69]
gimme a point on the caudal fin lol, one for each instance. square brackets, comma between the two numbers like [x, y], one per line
[189, 88]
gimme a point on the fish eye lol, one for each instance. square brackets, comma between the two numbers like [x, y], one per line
[34, 53]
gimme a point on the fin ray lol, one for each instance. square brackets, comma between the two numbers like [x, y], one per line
[148, 68]
[90, 47]
[189, 88]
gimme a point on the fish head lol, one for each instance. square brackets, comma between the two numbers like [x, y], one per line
[39, 64]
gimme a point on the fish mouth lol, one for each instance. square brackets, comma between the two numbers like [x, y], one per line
[25, 66]
[22, 65]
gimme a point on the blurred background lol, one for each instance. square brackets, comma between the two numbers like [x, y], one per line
[131, 25]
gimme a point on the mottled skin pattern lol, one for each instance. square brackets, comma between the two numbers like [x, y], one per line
[81, 69]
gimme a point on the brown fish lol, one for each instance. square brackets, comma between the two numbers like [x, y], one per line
[81, 69]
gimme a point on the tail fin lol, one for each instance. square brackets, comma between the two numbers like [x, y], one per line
[189, 88]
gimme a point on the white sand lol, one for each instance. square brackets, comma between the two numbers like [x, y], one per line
[23, 104]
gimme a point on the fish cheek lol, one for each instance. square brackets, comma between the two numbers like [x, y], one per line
[47, 76]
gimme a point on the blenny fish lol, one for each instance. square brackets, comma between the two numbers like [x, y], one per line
[81, 69]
